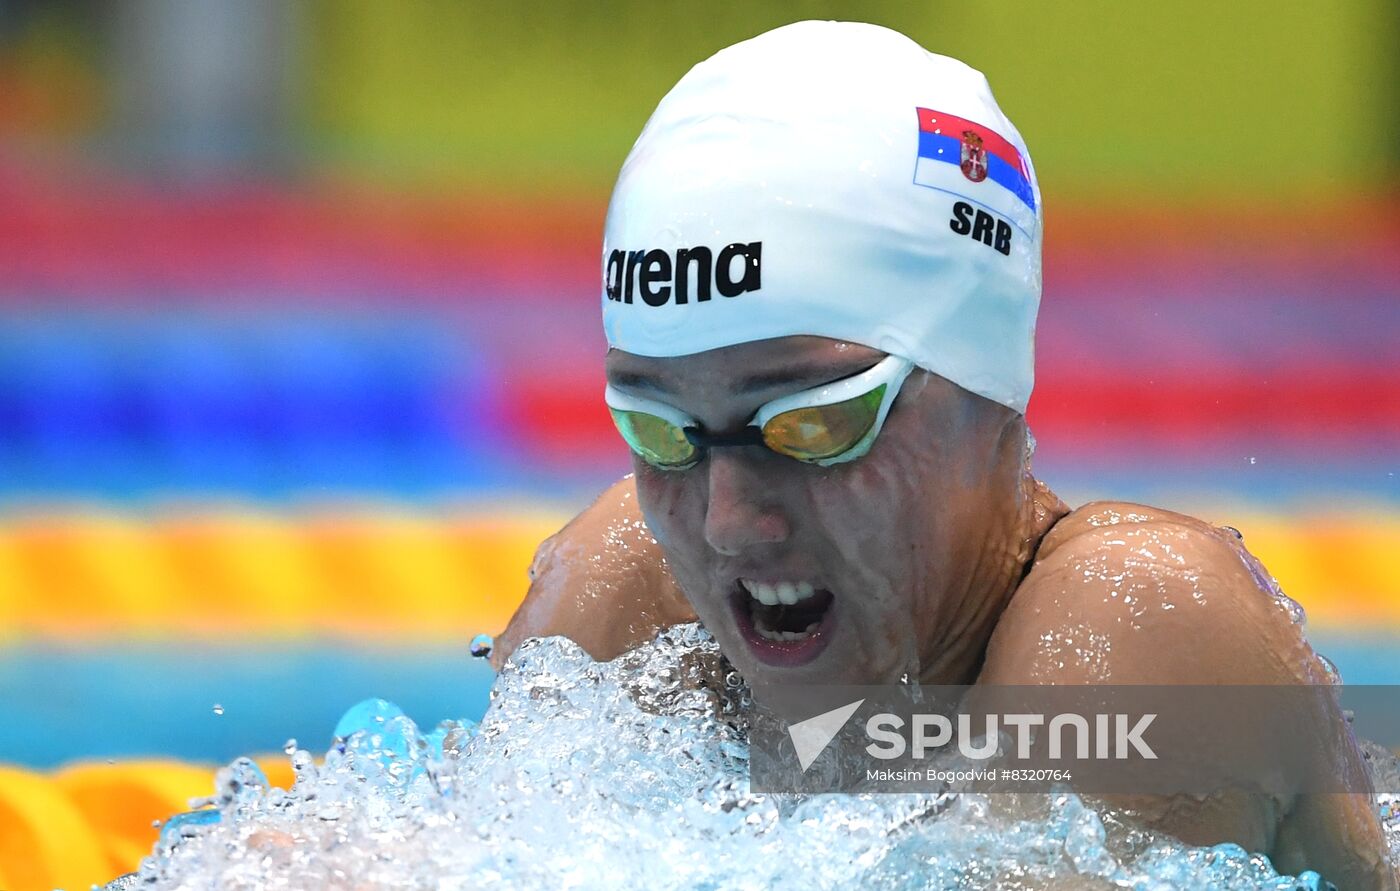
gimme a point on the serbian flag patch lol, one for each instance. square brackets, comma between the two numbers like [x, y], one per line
[972, 161]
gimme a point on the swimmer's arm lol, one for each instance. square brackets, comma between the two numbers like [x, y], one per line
[600, 581]
[1079, 618]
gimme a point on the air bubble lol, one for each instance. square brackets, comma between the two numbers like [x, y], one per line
[481, 646]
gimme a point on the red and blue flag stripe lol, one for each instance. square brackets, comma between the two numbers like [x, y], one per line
[940, 139]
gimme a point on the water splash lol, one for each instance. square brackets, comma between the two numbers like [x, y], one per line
[634, 773]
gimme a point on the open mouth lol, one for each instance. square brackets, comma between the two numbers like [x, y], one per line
[784, 622]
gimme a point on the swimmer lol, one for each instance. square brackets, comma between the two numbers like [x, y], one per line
[821, 272]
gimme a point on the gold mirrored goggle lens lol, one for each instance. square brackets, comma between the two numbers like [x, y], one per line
[659, 442]
[823, 431]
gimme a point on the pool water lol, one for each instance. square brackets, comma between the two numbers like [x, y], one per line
[633, 773]
[271, 691]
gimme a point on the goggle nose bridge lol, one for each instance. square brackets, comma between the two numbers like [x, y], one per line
[745, 437]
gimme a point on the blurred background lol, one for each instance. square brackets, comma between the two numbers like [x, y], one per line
[300, 352]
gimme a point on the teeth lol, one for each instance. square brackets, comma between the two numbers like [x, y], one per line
[767, 633]
[783, 636]
[785, 593]
[779, 592]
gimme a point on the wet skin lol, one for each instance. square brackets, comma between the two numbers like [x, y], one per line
[944, 560]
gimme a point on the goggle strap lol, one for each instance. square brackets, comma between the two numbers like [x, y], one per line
[745, 437]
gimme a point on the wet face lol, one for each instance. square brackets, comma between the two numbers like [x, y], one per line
[893, 564]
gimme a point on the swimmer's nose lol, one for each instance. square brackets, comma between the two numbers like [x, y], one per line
[740, 513]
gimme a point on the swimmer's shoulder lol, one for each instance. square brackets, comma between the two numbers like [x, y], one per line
[1088, 519]
[1135, 594]
[1130, 594]
[601, 581]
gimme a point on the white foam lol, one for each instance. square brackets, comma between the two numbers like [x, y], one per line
[631, 774]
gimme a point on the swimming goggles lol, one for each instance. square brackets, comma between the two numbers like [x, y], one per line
[825, 425]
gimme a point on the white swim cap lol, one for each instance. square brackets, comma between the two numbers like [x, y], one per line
[835, 179]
